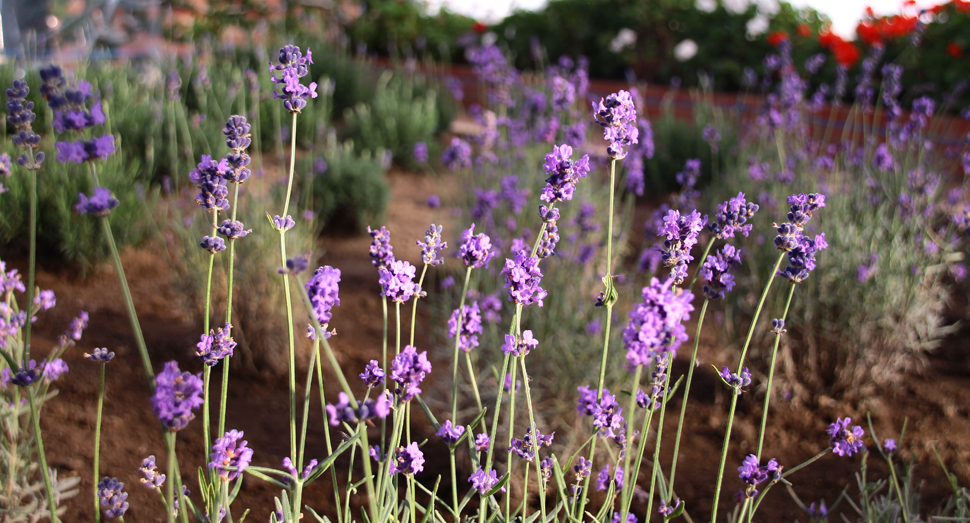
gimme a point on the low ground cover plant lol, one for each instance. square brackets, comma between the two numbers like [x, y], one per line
[542, 261]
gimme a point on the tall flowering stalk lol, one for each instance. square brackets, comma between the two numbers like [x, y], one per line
[292, 67]
[101, 357]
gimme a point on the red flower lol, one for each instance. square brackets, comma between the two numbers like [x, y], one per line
[846, 54]
[479, 27]
[804, 30]
[954, 50]
[777, 37]
[868, 32]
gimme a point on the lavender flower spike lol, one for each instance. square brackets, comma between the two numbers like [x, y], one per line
[450, 433]
[230, 456]
[618, 117]
[715, 271]
[432, 245]
[177, 394]
[471, 326]
[731, 217]
[407, 460]
[656, 324]
[475, 249]
[293, 66]
[381, 251]
[101, 204]
[845, 441]
[322, 290]
[408, 370]
[397, 281]
[680, 235]
[522, 279]
[563, 173]
[111, 493]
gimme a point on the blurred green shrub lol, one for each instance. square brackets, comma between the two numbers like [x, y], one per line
[348, 189]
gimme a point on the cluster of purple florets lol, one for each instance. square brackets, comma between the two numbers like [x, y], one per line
[20, 113]
[550, 233]
[292, 67]
[112, 495]
[151, 477]
[397, 281]
[213, 244]
[100, 204]
[527, 447]
[373, 374]
[233, 229]
[846, 440]
[618, 117]
[216, 345]
[716, 271]
[731, 217]
[71, 113]
[752, 474]
[236, 164]
[177, 394]
[656, 323]
[475, 249]
[230, 455]
[522, 279]
[450, 433]
[408, 370]
[370, 408]
[736, 380]
[323, 290]
[801, 249]
[213, 192]
[471, 326]
[407, 460]
[519, 346]
[680, 234]
[381, 251]
[432, 245]
[562, 174]
[458, 155]
[483, 481]
[658, 384]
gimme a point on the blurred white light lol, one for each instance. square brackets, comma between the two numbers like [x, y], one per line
[685, 50]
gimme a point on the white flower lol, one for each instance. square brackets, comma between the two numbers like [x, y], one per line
[757, 25]
[735, 7]
[685, 50]
[706, 6]
[625, 38]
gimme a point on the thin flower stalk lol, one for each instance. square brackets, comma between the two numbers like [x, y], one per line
[326, 432]
[656, 452]
[454, 375]
[736, 392]
[697, 272]
[291, 347]
[31, 267]
[206, 370]
[414, 305]
[683, 404]
[97, 445]
[225, 365]
[45, 472]
[535, 438]
[631, 479]
[787, 473]
[771, 375]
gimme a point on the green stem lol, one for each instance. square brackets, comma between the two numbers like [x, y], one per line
[207, 371]
[170, 485]
[289, 183]
[787, 473]
[225, 362]
[414, 302]
[757, 312]
[454, 481]
[535, 441]
[660, 428]
[474, 380]
[724, 449]
[33, 257]
[628, 480]
[683, 405]
[899, 494]
[291, 347]
[45, 472]
[458, 326]
[703, 258]
[771, 376]
[97, 446]
[130, 305]
[326, 431]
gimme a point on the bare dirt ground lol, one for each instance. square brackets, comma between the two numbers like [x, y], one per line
[936, 402]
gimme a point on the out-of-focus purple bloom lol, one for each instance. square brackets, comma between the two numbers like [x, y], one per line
[10, 280]
[407, 460]
[76, 326]
[212, 185]
[680, 234]
[408, 370]
[53, 369]
[281, 223]
[802, 207]
[177, 394]
[471, 326]
[491, 308]
[397, 281]
[846, 441]
[216, 345]
[433, 201]
[519, 346]
[817, 511]
[100, 356]
[607, 415]
[448, 282]
[475, 249]
[152, 479]
[71, 152]
[368, 409]
[307, 470]
[563, 174]
[112, 495]
[712, 136]
[482, 481]
[656, 324]
[753, 474]
[295, 265]
[381, 251]
[563, 93]
[618, 117]
[882, 159]
[233, 229]
[100, 204]
[522, 279]
[450, 433]
[323, 290]
[213, 244]
[801, 259]
[889, 445]
[432, 245]
[603, 479]
[731, 217]
[715, 271]
[865, 271]
[293, 66]
[45, 300]
[458, 155]
[618, 516]
[230, 456]
[778, 326]
[420, 152]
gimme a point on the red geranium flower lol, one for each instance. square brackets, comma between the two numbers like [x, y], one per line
[479, 27]
[804, 30]
[777, 37]
[954, 50]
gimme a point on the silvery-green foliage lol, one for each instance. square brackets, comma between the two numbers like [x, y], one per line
[399, 116]
[352, 187]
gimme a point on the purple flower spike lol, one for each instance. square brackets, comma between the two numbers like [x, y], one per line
[522, 279]
[801, 258]
[112, 495]
[100, 356]
[293, 66]
[563, 174]
[213, 244]
[408, 370]
[373, 375]
[397, 281]
[281, 223]
[526, 448]
[212, 185]
[802, 207]
[753, 474]
[667, 510]
[233, 229]
[322, 291]
[230, 456]
[420, 152]
[715, 271]
[407, 460]
[656, 324]
[432, 245]
[152, 479]
[475, 249]
[471, 326]
[846, 441]
[216, 345]
[101, 204]
[482, 481]
[482, 441]
[450, 433]
[731, 217]
[617, 516]
[53, 369]
[737, 381]
[177, 394]
[520, 346]
[618, 117]
[680, 235]
[381, 251]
